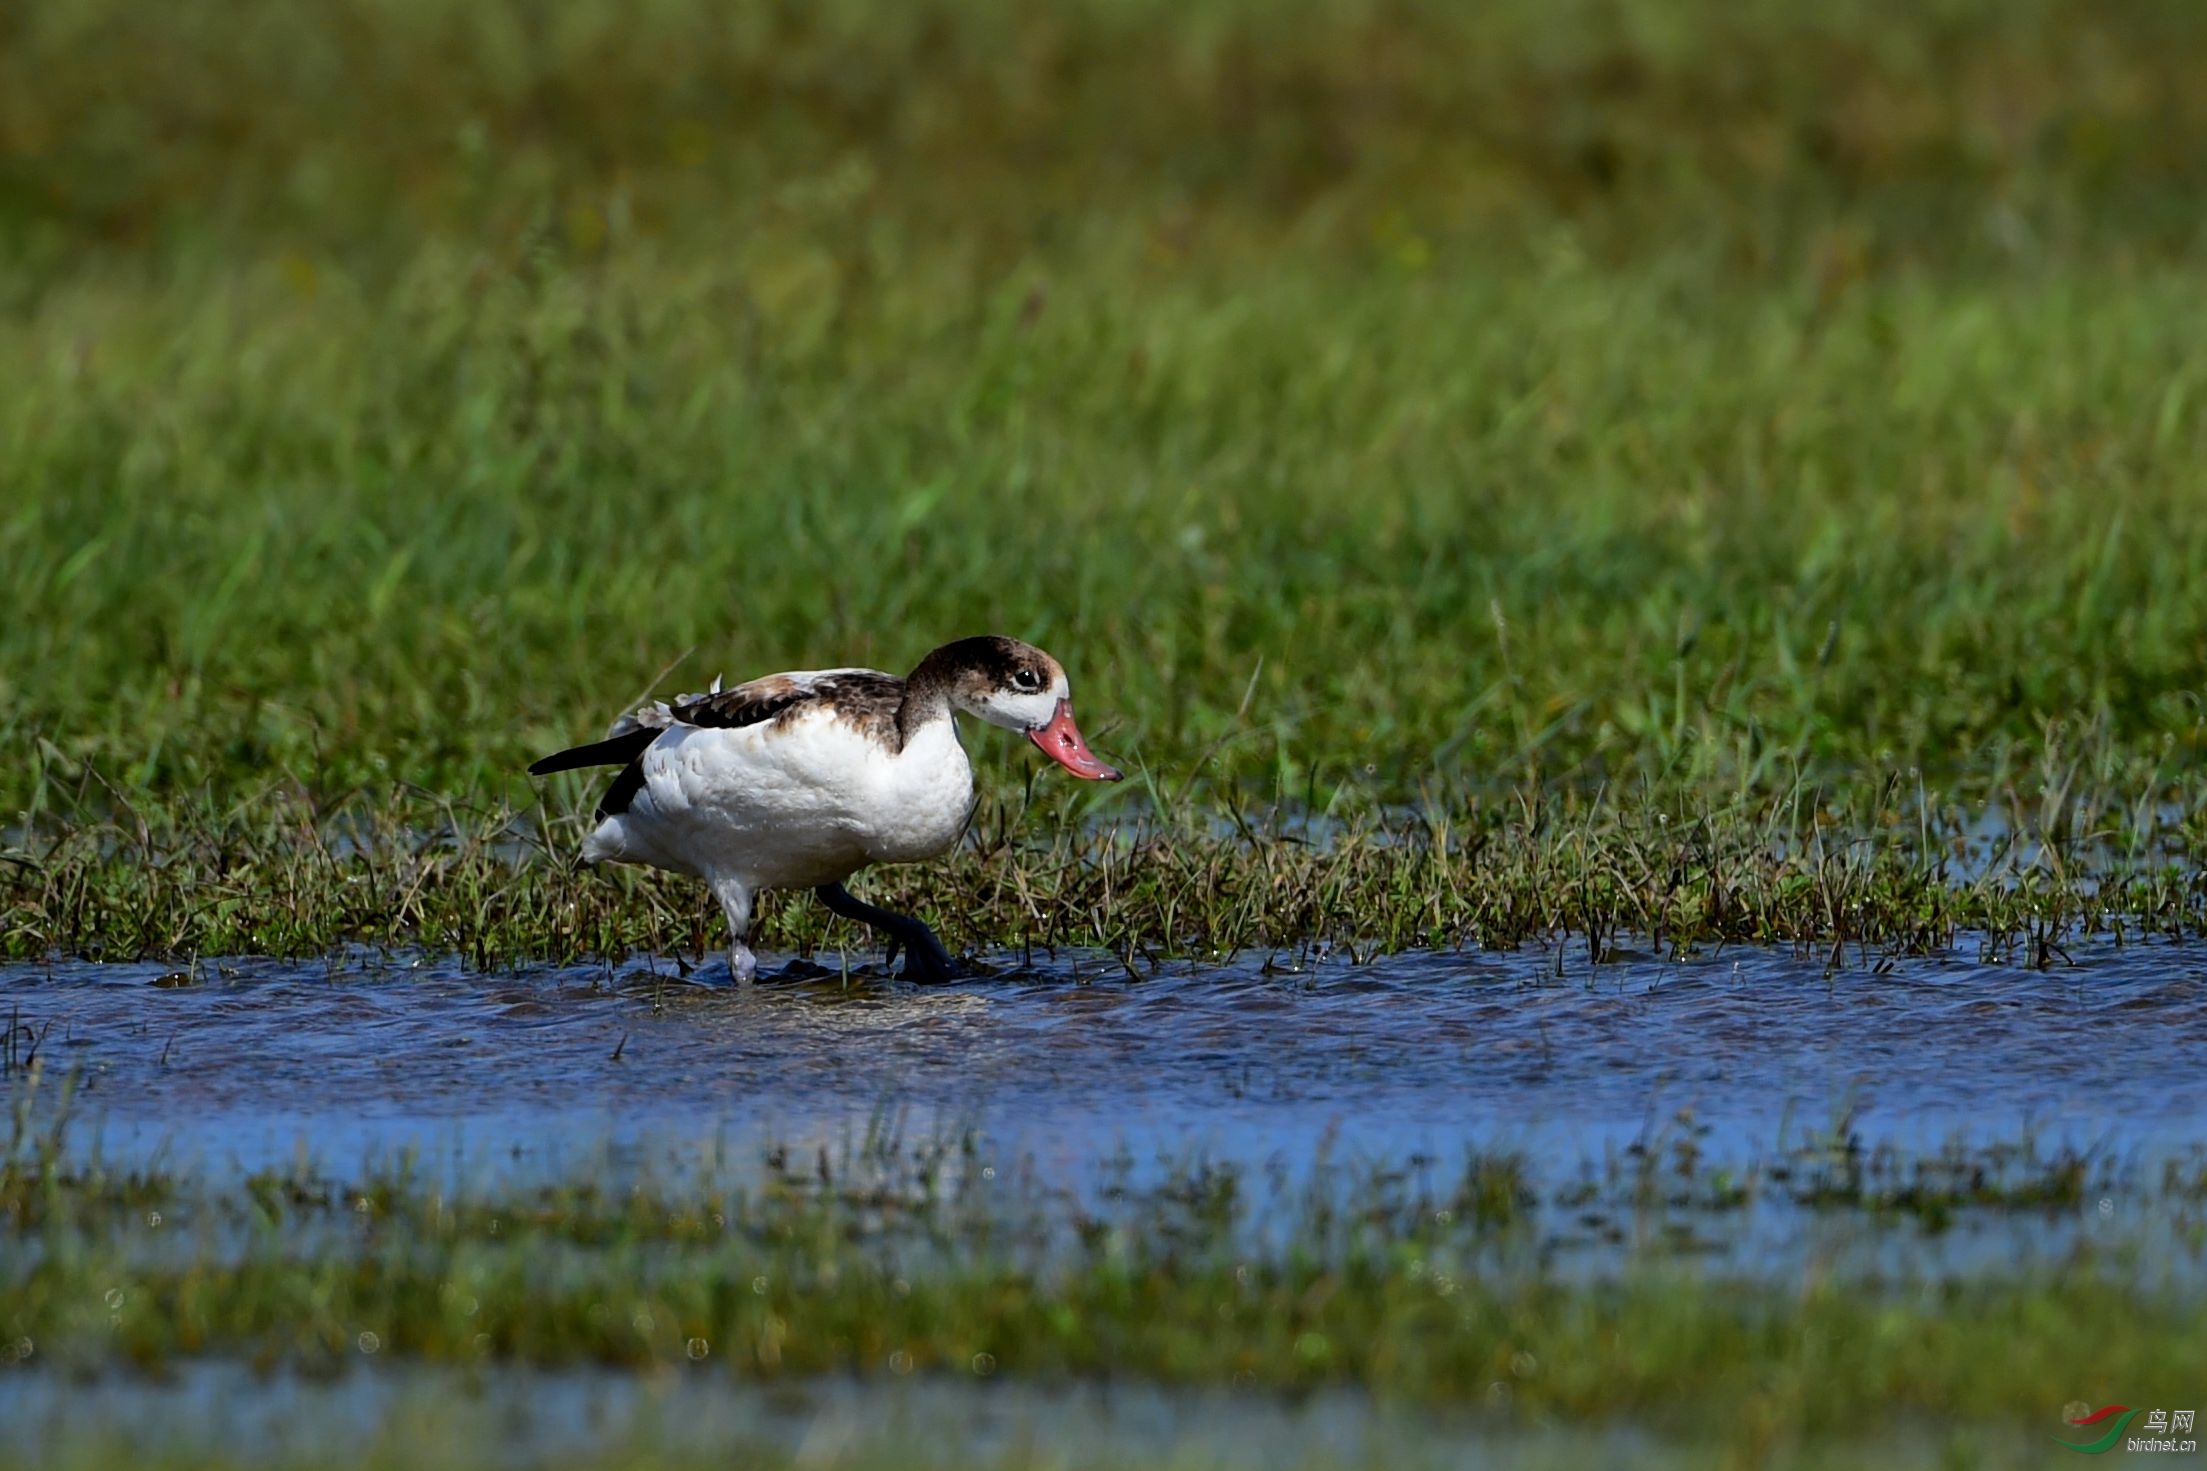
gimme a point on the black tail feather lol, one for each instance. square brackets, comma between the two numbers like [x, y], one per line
[617, 751]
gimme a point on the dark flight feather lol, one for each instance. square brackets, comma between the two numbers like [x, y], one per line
[614, 751]
[625, 750]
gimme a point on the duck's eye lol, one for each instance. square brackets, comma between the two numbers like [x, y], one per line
[1028, 679]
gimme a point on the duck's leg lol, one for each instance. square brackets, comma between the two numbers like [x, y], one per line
[735, 902]
[925, 959]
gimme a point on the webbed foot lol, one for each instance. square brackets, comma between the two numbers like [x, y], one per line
[925, 959]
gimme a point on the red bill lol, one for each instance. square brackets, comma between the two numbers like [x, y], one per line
[1061, 741]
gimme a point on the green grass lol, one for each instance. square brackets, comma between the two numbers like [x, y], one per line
[273, 882]
[1770, 421]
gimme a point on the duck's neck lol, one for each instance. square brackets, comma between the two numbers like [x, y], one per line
[927, 693]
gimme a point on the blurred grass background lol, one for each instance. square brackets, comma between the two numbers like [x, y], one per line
[1371, 398]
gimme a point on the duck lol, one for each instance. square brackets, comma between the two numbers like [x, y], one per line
[800, 780]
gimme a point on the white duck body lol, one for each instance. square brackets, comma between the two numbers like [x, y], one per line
[792, 802]
[799, 780]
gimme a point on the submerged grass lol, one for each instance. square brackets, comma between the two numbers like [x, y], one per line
[933, 1421]
[1414, 1283]
[1557, 416]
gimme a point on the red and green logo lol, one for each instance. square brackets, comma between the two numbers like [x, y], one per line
[2121, 1414]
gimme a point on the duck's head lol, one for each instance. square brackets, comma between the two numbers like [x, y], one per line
[1019, 687]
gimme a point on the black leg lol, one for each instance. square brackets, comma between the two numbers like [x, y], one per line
[925, 959]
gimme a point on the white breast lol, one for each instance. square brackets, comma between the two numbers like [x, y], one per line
[796, 804]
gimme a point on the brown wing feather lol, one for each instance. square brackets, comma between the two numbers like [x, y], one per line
[864, 697]
[752, 703]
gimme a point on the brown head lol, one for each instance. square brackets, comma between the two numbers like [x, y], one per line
[1017, 686]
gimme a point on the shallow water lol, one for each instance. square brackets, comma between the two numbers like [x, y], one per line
[1076, 1069]
[394, 1415]
[535, 1413]
[1069, 1061]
